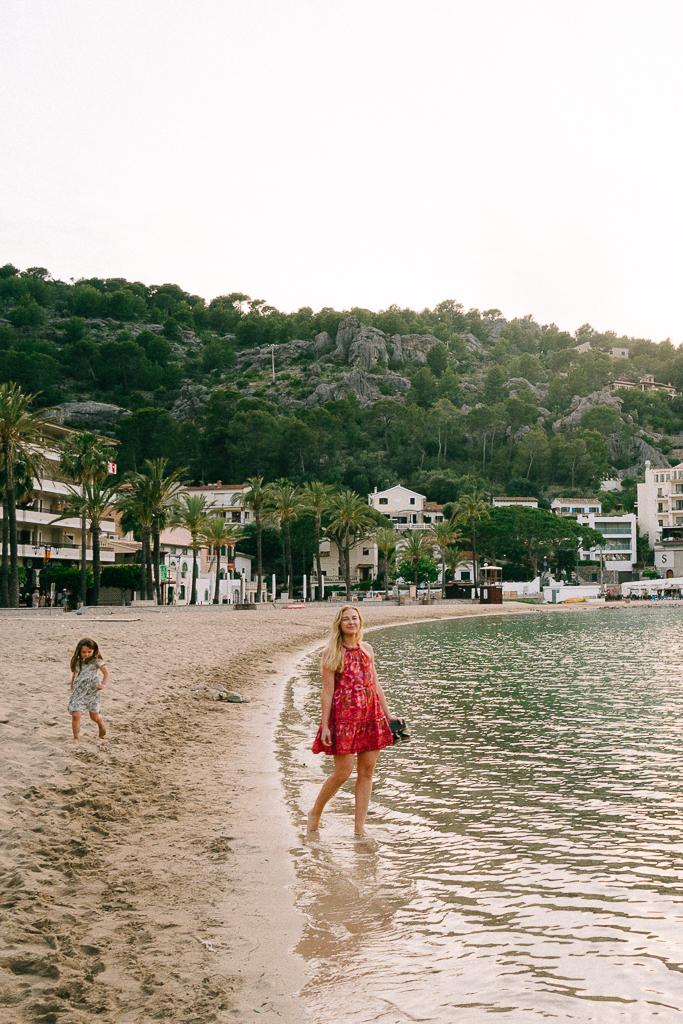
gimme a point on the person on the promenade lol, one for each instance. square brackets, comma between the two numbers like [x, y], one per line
[86, 686]
[35, 598]
[355, 715]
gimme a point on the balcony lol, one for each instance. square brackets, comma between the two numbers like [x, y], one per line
[66, 552]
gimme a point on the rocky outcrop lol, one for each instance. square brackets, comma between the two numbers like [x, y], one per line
[580, 406]
[364, 385]
[359, 345]
[411, 348]
[190, 403]
[89, 414]
[322, 344]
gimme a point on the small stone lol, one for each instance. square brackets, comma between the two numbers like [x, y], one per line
[234, 698]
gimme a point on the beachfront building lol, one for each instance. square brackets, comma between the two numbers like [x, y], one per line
[660, 501]
[235, 571]
[618, 552]
[646, 383]
[573, 507]
[514, 502]
[41, 540]
[364, 562]
[406, 509]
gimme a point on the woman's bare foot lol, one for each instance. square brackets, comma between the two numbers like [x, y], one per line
[312, 822]
[103, 732]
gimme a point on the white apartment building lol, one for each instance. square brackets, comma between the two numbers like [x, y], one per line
[660, 501]
[40, 539]
[363, 558]
[619, 550]
[227, 500]
[407, 510]
[576, 506]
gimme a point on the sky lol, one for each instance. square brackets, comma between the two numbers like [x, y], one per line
[524, 155]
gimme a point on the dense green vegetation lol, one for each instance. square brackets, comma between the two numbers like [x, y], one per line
[478, 414]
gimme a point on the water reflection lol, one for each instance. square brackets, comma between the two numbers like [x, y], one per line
[529, 839]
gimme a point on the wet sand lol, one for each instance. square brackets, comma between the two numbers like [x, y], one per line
[145, 876]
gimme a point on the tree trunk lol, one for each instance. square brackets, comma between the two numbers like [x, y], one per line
[347, 565]
[148, 565]
[259, 554]
[4, 583]
[84, 555]
[443, 575]
[290, 567]
[318, 567]
[13, 560]
[95, 565]
[157, 560]
[386, 575]
[474, 561]
[193, 596]
[416, 569]
[216, 597]
[143, 570]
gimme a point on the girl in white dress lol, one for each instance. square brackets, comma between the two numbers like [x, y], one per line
[86, 686]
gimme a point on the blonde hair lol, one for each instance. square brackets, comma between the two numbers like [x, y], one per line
[333, 655]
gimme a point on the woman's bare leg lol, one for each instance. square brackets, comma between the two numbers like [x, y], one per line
[343, 766]
[76, 723]
[364, 772]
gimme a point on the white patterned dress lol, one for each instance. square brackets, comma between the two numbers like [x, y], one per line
[85, 696]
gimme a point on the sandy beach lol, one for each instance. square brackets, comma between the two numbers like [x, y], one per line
[145, 877]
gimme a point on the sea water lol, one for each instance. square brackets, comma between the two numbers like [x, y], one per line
[528, 854]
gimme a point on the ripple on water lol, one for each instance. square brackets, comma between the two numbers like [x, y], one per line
[529, 839]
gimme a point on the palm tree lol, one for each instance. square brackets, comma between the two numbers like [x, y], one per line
[27, 467]
[20, 432]
[316, 497]
[163, 494]
[135, 504]
[454, 559]
[218, 533]
[85, 457]
[349, 518]
[97, 501]
[284, 505]
[441, 536]
[471, 507]
[191, 513]
[413, 549]
[256, 499]
[386, 539]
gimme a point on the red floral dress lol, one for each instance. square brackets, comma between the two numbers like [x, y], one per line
[357, 722]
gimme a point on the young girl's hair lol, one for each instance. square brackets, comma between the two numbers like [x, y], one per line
[333, 656]
[77, 660]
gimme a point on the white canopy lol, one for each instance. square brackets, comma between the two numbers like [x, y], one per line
[652, 586]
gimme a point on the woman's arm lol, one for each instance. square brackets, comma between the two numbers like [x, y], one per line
[73, 676]
[380, 692]
[326, 706]
[105, 676]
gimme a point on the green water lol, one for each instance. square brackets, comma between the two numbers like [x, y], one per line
[529, 840]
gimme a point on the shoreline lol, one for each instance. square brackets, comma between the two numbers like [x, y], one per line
[149, 875]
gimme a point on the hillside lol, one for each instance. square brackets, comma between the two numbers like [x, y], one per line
[444, 399]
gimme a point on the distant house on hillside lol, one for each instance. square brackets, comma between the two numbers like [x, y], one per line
[407, 510]
[509, 502]
[646, 383]
[618, 353]
[575, 506]
[584, 347]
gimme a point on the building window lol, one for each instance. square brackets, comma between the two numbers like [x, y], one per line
[465, 577]
[660, 522]
[366, 551]
[412, 501]
[427, 519]
[660, 507]
[384, 501]
[660, 493]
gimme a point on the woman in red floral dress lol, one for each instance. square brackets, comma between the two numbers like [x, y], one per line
[355, 715]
